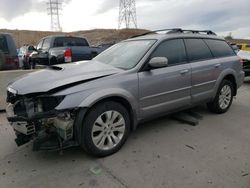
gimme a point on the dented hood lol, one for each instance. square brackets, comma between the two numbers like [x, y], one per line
[60, 76]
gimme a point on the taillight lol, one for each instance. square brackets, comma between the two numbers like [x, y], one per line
[67, 55]
[241, 60]
[13, 61]
[27, 54]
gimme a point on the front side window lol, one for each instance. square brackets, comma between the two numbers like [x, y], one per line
[197, 50]
[39, 46]
[125, 55]
[46, 44]
[173, 50]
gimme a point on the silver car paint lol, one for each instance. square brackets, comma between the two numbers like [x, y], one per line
[155, 91]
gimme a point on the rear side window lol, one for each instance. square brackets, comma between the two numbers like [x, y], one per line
[3, 44]
[174, 50]
[70, 41]
[197, 50]
[219, 48]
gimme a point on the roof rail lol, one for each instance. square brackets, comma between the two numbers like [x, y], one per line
[177, 30]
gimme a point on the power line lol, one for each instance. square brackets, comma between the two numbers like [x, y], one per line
[54, 9]
[127, 14]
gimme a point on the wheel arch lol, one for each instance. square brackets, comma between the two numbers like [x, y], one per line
[231, 78]
[118, 95]
[229, 75]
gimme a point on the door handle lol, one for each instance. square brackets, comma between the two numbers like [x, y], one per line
[217, 65]
[184, 71]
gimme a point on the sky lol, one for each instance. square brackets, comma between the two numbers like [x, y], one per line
[221, 16]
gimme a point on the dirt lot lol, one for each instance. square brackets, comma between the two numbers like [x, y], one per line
[160, 153]
[95, 36]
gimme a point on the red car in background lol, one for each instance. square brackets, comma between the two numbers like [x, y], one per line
[24, 56]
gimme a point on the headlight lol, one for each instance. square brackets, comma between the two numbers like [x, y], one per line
[11, 90]
[47, 103]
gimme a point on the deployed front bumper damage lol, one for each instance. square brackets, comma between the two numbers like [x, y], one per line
[37, 119]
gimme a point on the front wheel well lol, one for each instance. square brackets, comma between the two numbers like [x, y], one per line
[232, 79]
[123, 102]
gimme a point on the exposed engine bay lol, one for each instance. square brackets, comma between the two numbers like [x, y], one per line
[35, 118]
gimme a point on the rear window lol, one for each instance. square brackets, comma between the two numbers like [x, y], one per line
[197, 50]
[3, 44]
[70, 41]
[219, 48]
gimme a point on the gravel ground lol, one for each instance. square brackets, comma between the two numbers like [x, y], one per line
[160, 153]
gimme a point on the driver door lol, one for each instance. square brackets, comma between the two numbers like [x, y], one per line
[168, 88]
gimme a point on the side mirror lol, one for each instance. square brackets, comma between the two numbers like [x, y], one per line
[158, 62]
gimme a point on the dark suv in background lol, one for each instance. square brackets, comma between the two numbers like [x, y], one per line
[8, 53]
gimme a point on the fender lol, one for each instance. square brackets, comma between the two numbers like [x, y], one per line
[223, 74]
[113, 92]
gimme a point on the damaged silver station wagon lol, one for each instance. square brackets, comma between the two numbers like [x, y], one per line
[96, 104]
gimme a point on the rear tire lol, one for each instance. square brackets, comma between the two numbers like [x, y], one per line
[223, 99]
[105, 129]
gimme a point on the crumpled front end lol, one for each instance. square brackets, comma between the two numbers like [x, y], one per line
[33, 117]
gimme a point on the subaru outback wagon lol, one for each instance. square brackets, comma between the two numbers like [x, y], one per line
[96, 104]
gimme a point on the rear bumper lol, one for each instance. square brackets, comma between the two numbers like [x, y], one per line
[246, 69]
[241, 78]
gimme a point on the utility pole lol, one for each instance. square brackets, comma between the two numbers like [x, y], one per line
[54, 8]
[127, 14]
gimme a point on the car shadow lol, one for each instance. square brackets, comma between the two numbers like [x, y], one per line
[164, 123]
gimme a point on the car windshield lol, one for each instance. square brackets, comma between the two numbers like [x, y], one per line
[125, 55]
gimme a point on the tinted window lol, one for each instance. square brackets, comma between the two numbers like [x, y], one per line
[70, 41]
[3, 44]
[174, 50]
[219, 48]
[46, 44]
[197, 50]
[248, 45]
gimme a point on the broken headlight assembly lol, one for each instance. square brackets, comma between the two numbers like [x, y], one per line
[47, 103]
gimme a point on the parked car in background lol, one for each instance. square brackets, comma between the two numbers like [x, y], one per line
[8, 52]
[23, 56]
[245, 47]
[102, 47]
[245, 56]
[56, 49]
[235, 48]
[96, 104]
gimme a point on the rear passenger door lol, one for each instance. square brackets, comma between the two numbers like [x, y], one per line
[205, 69]
[167, 88]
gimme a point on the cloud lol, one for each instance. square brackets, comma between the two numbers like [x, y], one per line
[220, 16]
[11, 9]
[108, 5]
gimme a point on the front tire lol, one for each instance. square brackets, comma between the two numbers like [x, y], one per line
[105, 129]
[223, 99]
